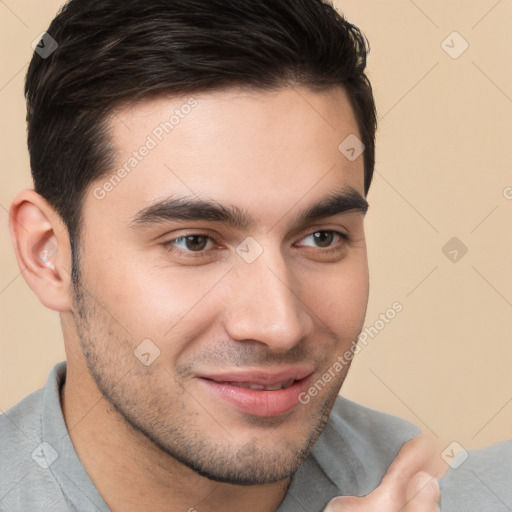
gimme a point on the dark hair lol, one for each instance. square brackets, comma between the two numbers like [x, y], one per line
[112, 52]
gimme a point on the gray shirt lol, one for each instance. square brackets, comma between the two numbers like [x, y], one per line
[40, 470]
[482, 483]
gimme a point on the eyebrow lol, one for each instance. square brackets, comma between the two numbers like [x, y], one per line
[347, 200]
[193, 209]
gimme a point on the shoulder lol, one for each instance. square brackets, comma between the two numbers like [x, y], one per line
[480, 482]
[20, 431]
[25, 479]
[369, 425]
[359, 444]
[22, 418]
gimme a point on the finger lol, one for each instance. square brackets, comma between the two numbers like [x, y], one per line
[422, 496]
[348, 504]
[404, 483]
[423, 493]
[436, 465]
[416, 455]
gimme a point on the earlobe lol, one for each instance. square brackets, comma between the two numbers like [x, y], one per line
[42, 248]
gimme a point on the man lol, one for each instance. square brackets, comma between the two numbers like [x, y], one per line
[201, 170]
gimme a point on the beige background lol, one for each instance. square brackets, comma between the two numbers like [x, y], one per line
[443, 168]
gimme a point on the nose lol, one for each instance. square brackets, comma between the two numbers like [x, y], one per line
[265, 304]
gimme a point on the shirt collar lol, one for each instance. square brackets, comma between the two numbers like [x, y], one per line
[67, 468]
[311, 487]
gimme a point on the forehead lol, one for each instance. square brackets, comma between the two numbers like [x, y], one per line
[258, 150]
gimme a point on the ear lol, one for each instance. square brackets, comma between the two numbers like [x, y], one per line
[43, 250]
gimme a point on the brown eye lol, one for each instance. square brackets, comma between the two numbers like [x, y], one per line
[323, 238]
[196, 242]
[190, 243]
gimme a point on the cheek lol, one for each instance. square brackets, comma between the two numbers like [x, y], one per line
[339, 296]
[150, 301]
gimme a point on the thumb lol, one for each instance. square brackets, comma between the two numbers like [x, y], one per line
[406, 483]
[423, 488]
[345, 504]
[422, 495]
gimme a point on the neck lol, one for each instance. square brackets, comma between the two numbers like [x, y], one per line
[130, 470]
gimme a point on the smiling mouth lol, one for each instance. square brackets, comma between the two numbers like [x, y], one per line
[259, 387]
[257, 393]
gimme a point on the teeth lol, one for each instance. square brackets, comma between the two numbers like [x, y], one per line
[256, 387]
[260, 387]
[275, 387]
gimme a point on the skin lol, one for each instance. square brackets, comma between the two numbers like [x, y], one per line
[409, 485]
[155, 434]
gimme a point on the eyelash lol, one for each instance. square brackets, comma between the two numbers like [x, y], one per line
[188, 254]
[195, 254]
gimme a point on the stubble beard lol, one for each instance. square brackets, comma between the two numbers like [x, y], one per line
[105, 349]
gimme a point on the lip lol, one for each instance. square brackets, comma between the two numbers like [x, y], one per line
[261, 403]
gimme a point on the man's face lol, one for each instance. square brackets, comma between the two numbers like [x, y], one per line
[222, 247]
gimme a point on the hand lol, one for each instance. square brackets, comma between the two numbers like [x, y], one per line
[409, 485]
